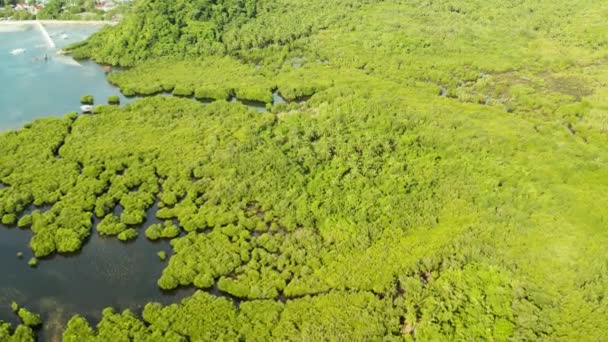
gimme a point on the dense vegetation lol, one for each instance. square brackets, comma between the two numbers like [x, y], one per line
[162, 28]
[23, 332]
[436, 174]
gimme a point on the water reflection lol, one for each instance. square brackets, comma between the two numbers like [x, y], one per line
[106, 272]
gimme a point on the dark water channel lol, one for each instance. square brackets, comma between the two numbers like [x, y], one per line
[106, 272]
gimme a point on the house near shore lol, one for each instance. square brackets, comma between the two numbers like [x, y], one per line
[107, 5]
[24, 6]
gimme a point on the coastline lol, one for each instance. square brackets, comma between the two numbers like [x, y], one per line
[56, 22]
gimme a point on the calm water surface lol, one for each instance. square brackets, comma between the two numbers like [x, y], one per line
[106, 272]
[33, 87]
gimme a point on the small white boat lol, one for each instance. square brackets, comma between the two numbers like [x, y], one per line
[86, 108]
[17, 52]
[64, 36]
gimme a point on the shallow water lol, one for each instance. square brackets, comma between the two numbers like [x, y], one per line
[106, 272]
[33, 87]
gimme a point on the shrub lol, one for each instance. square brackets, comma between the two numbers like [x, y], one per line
[87, 99]
[181, 90]
[29, 318]
[33, 262]
[127, 235]
[114, 100]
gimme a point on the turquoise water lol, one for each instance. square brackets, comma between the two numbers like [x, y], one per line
[33, 87]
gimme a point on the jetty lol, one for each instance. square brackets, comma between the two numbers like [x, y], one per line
[45, 34]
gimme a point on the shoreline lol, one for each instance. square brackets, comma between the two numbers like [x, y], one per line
[56, 22]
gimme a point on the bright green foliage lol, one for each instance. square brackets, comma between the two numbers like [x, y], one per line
[458, 305]
[29, 318]
[33, 262]
[128, 234]
[67, 241]
[113, 100]
[5, 331]
[110, 225]
[199, 258]
[166, 231]
[22, 333]
[9, 219]
[444, 167]
[258, 318]
[171, 323]
[202, 317]
[162, 255]
[165, 28]
[212, 78]
[78, 330]
[87, 99]
[185, 319]
[343, 316]
[25, 221]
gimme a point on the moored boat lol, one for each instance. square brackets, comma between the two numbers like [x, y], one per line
[86, 109]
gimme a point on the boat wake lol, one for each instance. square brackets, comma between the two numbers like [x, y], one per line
[16, 52]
